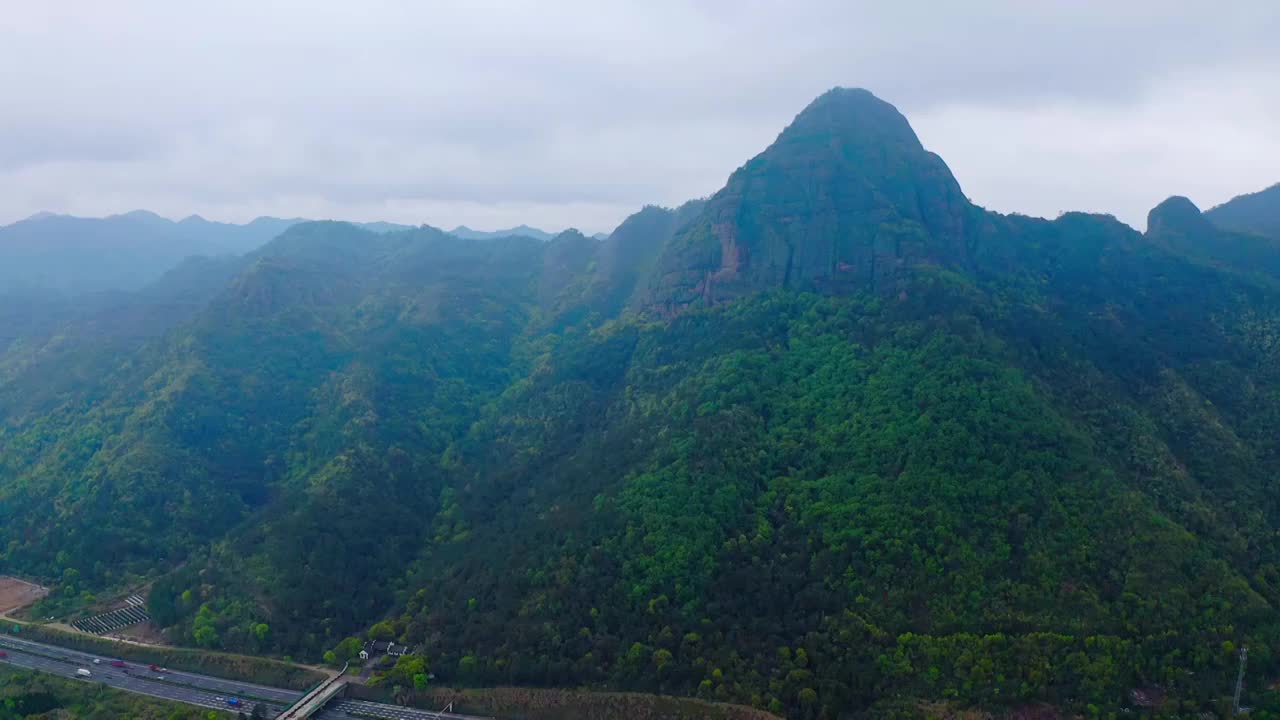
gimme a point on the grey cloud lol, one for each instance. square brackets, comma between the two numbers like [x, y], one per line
[26, 144]
[476, 111]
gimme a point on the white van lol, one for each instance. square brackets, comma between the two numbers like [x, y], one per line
[84, 673]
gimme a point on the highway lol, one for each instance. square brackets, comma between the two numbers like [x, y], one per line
[194, 689]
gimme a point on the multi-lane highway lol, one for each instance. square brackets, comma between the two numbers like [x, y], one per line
[192, 688]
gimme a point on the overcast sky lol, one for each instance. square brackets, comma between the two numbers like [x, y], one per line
[561, 114]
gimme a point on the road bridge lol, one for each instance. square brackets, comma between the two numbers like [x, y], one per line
[315, 698]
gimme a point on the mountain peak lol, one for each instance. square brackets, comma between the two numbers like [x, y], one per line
[142, 215]
[569, 235]
[1176, 214]
[1179, 225]
[845, 198]
[42, 215]
[856, 114]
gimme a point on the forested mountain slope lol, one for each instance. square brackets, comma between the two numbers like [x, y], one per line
[830, 441]
[51, 342]
[1257, 213]
[1179, 224]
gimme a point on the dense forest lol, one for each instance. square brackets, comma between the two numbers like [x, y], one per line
[831, 442]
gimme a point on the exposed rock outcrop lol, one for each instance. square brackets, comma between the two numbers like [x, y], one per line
[845, 199]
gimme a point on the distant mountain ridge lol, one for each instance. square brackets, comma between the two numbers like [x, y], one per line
[467, 233]
[76, 255]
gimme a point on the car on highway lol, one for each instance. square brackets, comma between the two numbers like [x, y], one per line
[233, 702]
[3, 654]
[157, 668]
[117, 663]
[97, 661]
[84, 673]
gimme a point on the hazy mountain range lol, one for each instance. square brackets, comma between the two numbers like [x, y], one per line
[62, 253]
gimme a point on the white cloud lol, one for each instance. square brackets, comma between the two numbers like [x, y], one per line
[576, 113]
[1207, 135]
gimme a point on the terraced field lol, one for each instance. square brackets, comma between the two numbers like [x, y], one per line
[131, 614]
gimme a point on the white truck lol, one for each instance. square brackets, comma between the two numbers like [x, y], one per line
[83, 673]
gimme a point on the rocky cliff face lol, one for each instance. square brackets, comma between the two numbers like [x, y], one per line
[1177, 215]
[845, 199]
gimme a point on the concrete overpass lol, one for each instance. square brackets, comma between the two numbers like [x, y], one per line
[316, 697]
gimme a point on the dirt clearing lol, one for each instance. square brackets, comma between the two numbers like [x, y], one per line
[15, 593]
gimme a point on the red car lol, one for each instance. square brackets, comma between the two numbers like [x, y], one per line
[117, 663]
[3, 654]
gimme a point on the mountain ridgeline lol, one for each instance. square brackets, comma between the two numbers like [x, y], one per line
[61, 254]
[834, 442]
[1257, 213]
[64, 254]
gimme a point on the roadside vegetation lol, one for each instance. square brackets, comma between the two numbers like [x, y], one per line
[36, 696]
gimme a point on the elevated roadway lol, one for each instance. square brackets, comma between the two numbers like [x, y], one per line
[315, 698]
